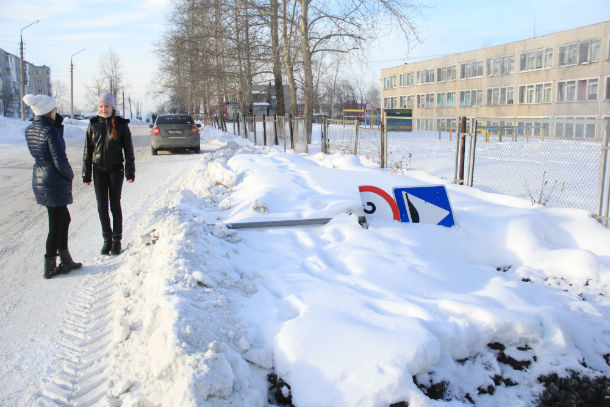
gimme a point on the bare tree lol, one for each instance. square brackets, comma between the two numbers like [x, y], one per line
[93, 90]
[289, 50]
[277, 55]
[9, 98]
[344, 26]
[110, 72]
[61, 96]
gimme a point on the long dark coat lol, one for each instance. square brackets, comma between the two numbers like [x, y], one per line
[52, 174]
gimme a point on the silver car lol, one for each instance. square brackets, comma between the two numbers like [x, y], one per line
[174, 131]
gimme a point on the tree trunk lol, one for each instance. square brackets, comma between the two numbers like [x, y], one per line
[287, 54]
[307, 70]
[277, 64]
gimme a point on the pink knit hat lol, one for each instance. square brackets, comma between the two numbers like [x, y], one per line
[107, 98]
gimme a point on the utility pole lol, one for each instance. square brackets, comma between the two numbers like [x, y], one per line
[22, 87]
[72, 83]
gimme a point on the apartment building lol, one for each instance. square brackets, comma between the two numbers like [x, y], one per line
[37, 81]
[557, 84]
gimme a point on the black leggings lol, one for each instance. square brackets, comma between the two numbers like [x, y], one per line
[59, 222]
[108, 186]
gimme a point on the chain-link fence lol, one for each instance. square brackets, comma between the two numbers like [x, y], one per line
[553, 171]
[429, 151]
[341, 136]
[563, 163]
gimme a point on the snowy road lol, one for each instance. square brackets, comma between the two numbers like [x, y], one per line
[39, 318]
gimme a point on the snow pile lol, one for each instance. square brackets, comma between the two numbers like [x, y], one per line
[346, 316]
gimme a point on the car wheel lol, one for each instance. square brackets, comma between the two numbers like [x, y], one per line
[197, 150]
[153, 151]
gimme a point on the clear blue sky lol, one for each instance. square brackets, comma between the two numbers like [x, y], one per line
[131, 28]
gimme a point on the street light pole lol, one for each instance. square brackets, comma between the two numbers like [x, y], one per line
[72, 83]
[22, 87]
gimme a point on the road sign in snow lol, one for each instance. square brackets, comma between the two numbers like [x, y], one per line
[429, 204]
[378, 203]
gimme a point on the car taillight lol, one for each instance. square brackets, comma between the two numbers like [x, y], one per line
[194, 130]
[156, 131]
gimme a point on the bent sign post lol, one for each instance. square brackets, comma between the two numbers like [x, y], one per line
[424, 204]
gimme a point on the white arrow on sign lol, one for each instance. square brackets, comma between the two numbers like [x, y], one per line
[425, 212]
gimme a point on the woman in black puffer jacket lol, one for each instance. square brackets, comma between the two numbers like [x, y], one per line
[108, 137]
[51, 180]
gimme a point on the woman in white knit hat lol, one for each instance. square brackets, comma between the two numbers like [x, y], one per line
[107, 159]
[51, 180]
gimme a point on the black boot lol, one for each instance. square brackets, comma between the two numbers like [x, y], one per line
[67, 264]
[107, 243]
[50, 267]
[116, 244]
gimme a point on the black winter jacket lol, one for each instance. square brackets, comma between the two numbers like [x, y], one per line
[106, 153]
[52, 174]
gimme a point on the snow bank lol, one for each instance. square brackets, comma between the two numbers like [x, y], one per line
[345, 315]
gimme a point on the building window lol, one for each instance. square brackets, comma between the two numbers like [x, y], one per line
[471, 98]
[425, 101]
[406, 79]
[410, 102]
[579, 52]
[446, 73]
[500, 96]
[403, 102]
[445, 99]
[425, 76]
[608, 87]
[535, 93]
[501, 65]
[471, 69]
[538, 59]
[389, 82]
[581, 90]
[575, 127]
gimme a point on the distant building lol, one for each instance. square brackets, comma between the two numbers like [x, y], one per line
[553, 82]
[37, 81]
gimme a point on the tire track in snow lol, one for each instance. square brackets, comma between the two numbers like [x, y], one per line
[80, 363]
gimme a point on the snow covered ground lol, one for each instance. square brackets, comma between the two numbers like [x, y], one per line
[194, 314]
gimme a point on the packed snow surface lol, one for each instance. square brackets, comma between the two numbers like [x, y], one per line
[193, 313]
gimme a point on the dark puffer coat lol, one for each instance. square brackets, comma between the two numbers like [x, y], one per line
[52, 174]
[106, 153]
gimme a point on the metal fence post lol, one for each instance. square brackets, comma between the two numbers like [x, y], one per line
[603, 191]
[461, 152]
[356, 125]
[264, 130]
[384, 141]
[291, 133]
[472, 152]
[254, 128]
[324, 141]
[275, 129]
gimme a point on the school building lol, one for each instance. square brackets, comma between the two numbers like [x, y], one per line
[556, 84]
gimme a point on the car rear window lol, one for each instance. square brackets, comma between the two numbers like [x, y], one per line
[178, 119]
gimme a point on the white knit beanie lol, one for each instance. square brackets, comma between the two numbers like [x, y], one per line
[40, 104]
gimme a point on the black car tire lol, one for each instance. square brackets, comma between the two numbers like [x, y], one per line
[153, 151]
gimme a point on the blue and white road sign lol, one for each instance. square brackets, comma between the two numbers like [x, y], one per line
[429, 204]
